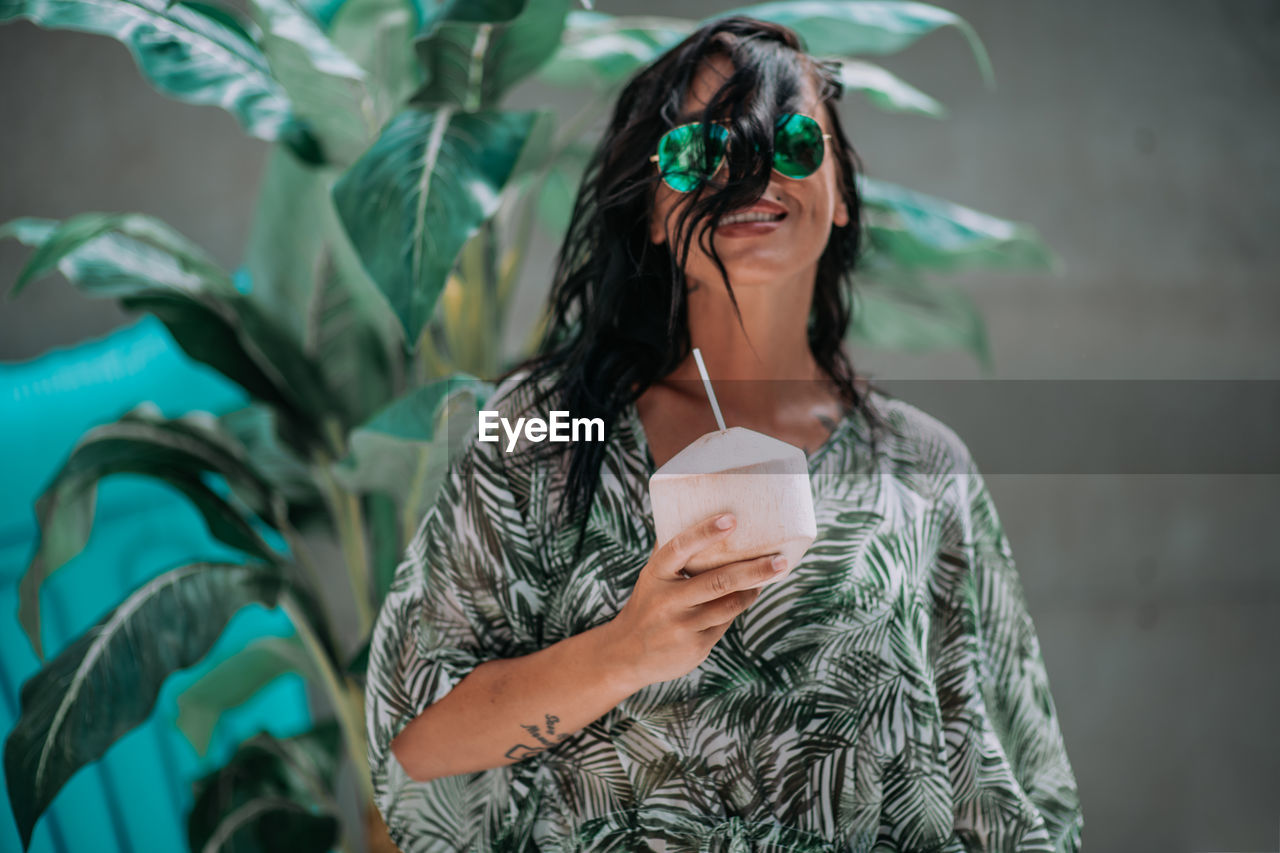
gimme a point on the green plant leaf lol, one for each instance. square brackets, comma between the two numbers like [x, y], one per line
[859, 27]
[155, 248]
[420, 192]
[181, 51]
[235, 681]
[327, 89]
[920, 231]
[276, 782]
[472, 65]
[306, 274]
[177, 452]
[603, 50]
[388, 545]
[150, 267]
[257, 429]
[378, 36]
[105, 682]
[470, 12]
[405, 449]
[919, 317]
[273, 823]
[886, 90]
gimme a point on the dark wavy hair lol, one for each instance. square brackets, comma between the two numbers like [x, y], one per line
[617, 319]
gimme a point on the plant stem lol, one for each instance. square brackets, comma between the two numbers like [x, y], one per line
[492, 341]
[431, 365]
[349, 714]
[348, 518]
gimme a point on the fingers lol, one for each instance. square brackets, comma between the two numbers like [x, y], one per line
[733, 577]
[670, 559]
[714, 618]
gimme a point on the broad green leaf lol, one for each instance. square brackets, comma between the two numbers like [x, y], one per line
[472, 65]
[105, 682]
[420, 192]
[387, 548]
[274, 823]
[308, 277]
[327, 89]
[405, 450]
[257, 429]
[235, 681]
[177, 452]
[181, 51]
[378, 36]
[265, 795]
[918, 317]
[921, 231]
[470, 12]
[286, 239]
[886, 90]
[858, 27]
[148, 266]
[603, 50]
[229, 18]
[154, 244]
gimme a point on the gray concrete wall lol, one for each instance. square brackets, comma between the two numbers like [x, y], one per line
[1140, 139]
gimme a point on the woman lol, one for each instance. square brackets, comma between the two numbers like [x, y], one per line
[543, 677]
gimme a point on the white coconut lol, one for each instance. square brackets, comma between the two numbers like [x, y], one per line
[764, 482]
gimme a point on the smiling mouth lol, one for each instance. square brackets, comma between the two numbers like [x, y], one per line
[738, 218]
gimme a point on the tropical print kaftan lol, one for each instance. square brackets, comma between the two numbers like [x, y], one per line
[889, 694]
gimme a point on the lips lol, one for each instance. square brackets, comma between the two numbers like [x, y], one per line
[758, 219]
[761, 211]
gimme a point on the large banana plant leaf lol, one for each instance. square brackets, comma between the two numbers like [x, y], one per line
[274, 794]
[192, 52]
[105, 683]
[420, 192]
[378, 36]
[235, 681]
[886, 90]
[864, 27]
[606, 49]
[603, 50]
[328, 90]
[405, 449]
[177, 452]
[919, 231]
[147, 266]
[472, 64]
[307, 276]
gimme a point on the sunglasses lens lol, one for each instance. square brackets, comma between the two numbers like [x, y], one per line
[687, 155]
[797, 146]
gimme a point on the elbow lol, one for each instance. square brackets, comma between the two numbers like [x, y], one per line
[404, 756]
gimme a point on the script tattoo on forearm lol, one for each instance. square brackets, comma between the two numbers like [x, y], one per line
[521, 750]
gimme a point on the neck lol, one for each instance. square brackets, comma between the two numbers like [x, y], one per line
[771, 360]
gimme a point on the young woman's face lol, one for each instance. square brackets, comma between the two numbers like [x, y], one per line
[759, 254]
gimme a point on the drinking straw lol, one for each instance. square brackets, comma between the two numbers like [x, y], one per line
[711, 395]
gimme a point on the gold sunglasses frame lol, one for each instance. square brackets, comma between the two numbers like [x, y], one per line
[654, 158]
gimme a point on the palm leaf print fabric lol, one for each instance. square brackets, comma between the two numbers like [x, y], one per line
[887, 695]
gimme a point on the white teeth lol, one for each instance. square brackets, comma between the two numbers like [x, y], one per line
[750, 217]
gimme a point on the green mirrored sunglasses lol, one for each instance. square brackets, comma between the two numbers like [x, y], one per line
[798, 148]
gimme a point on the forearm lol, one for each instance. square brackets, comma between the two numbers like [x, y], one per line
[508, 709]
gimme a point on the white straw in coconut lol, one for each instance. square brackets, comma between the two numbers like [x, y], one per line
[711, 395]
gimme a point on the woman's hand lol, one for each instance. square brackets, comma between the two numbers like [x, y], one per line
[671, 621]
